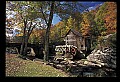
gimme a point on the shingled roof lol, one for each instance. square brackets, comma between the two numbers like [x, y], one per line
[74, 32]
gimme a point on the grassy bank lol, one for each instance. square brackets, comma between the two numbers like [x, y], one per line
[17, 67]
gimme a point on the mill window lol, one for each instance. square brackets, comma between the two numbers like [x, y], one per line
[81, 45]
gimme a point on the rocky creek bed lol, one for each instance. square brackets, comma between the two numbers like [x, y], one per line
[100, 63]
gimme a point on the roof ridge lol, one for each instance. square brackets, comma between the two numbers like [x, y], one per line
[76, 32]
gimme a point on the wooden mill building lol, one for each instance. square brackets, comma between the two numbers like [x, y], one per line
[75, 38]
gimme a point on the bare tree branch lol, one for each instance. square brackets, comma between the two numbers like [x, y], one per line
[32, 29]
[44, 15]
[30, 26]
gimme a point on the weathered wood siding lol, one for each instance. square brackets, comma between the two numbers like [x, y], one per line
[72, 39]
[83, 46]
[76, 39]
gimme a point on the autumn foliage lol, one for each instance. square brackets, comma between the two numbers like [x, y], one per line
[111, 17]
[108, 13]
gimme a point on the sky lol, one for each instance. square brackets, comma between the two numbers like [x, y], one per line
[56, 19]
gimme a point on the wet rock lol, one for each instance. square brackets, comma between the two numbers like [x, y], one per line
[71, 62]
[64, 62]
[59, 66]
[56, 62]
[12, 50]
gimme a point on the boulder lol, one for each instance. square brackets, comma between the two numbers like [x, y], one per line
[103, 57]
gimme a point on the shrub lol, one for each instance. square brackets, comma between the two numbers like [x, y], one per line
[108, 41]
[94, 44]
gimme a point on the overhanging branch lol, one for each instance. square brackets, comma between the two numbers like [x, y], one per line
[43, 15]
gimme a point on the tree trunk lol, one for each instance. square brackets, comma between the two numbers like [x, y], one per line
[27, 37]
[25, 48]
[23, 43]
[47, 33]
[22, 46]
[23, 38]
